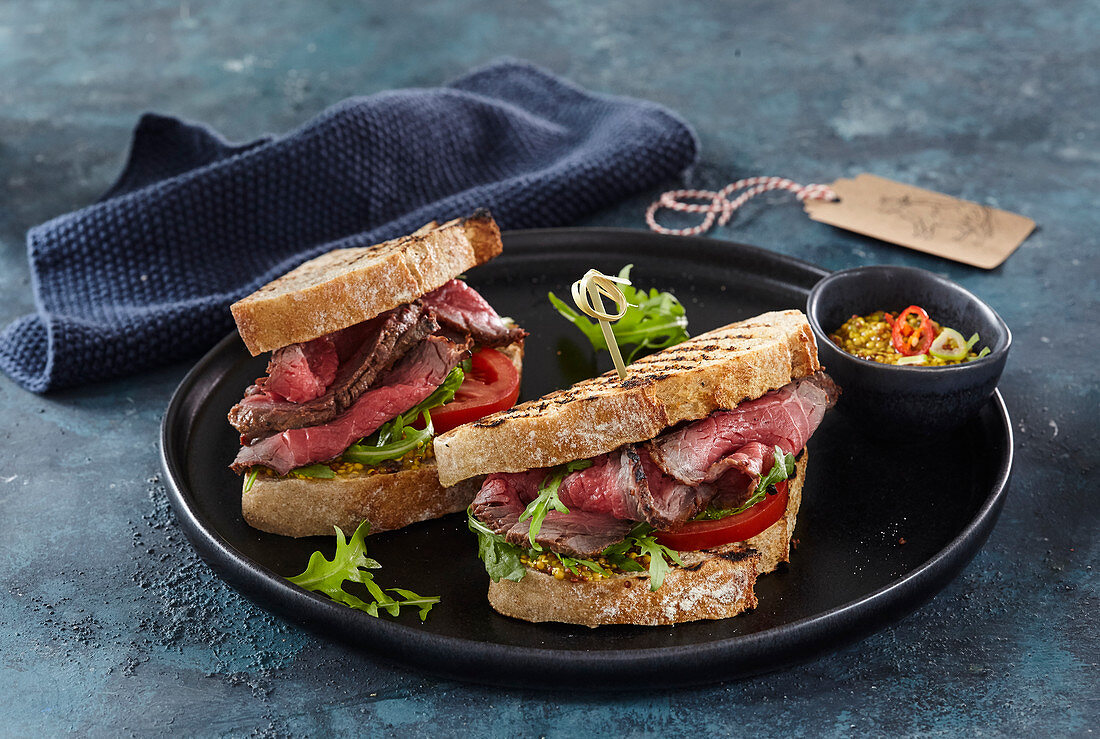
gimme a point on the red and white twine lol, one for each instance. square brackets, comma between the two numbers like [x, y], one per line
[720, 207]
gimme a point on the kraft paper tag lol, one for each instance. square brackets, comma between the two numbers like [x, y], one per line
[923, 220]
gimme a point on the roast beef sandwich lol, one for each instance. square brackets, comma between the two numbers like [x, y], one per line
[652, 500]
[374, 350]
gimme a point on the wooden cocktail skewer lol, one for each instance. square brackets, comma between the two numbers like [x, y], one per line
[588, 293]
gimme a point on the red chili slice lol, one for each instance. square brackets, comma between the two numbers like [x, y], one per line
[902, 331]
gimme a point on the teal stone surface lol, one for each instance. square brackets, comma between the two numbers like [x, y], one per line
[111, 626]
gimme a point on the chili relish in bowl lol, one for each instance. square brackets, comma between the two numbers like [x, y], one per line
[910, 337]
[896, 394]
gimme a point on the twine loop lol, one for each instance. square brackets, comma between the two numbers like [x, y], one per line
[720, 208]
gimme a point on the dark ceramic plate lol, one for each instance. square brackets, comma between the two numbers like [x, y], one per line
[850, 575]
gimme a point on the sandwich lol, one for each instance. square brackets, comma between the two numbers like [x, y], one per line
[650, 500]
[374, 350]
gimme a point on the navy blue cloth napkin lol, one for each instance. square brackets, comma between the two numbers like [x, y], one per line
[146, 275]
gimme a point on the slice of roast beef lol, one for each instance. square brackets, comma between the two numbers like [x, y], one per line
[668, 503]
[309, 384]
[627, 484]
[461, 308]
[302, 372]
[611, 485]
[604, 501]
[574, 534]
[259, 415]
[412, 380]
[503, 496]
[406, 326]
[785, 417]
[365, 350]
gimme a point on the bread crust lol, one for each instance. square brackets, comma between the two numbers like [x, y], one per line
[689, 381]
[294, 506]
[714, 583]
[348, 286]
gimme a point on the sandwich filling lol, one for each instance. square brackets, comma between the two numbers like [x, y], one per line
[323, 396]
[704, 469]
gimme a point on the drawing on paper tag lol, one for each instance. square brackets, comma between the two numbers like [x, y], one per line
[922, 219]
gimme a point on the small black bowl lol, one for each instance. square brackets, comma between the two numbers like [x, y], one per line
[893, 400]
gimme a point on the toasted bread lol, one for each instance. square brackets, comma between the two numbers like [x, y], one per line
[712, 584]
[293, 506]
[347, 286]
[718, 369]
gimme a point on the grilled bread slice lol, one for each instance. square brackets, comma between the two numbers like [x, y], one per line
[713, 583]
[291, 506]
[347, 286]
[718, 369]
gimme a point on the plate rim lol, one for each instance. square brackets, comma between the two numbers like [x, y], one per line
[796, 640]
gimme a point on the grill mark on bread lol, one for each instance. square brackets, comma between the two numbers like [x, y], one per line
[646, 371]
[738, 555]
[492, 423]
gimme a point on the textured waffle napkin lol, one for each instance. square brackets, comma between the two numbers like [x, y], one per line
[146, 275]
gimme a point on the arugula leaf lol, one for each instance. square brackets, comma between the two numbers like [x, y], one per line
[396, 438]
[322, 471]
[548, 498]
[501, 558]
[410, 439]
[588, 328]
[572, 564]
[782, 469]
[654, 320]
[424, 604]
[616, 555]
[641, 536]
[442, 394]
[350, 563]
[658, 567]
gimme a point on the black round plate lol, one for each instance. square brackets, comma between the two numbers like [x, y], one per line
[882, 528]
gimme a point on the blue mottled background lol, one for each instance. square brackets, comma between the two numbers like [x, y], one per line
[110, 625]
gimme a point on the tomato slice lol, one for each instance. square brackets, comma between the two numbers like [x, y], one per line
[738, 527]
[492, 385]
